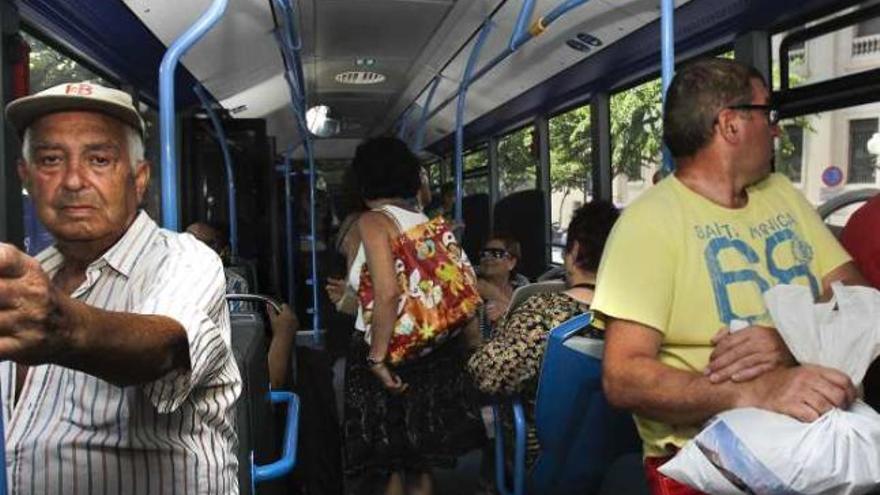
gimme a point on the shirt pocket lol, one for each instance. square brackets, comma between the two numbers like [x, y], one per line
[93, 404]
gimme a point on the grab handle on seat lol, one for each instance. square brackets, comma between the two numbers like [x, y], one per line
[519, 451]
[254, 298]
[285, 465]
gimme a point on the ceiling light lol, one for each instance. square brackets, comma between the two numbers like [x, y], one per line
[359, 77]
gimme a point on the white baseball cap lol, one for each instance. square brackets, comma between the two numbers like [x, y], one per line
[71, 97]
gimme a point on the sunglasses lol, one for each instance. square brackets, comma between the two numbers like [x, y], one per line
[770, 110]
[496, 253]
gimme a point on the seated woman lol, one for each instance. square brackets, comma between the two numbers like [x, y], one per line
[509, 363]
[497, 276]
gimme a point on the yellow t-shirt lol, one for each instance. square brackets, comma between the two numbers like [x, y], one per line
[685, 266]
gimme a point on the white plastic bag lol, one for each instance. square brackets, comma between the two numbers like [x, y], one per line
[757, 451]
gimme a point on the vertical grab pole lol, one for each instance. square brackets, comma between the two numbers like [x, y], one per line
[423, 119]
[667, 50]
[459, 115]
[313, 238]
[227, 161]
[170, 200]
[288, 221]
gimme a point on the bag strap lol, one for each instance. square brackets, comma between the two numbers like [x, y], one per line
[391, 216]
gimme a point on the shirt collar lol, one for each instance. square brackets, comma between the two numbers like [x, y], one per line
[122, 256]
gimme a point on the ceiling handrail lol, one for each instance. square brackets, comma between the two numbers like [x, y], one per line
[168, 141]
[220, 135]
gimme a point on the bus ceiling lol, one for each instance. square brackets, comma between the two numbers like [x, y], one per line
[371, 62]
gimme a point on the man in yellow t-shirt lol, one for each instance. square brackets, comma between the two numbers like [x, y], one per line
[694, 254]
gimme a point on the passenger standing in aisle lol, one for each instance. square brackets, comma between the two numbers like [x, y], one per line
[400, 422]
[117, 373]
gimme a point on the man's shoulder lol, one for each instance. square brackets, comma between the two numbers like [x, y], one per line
[775, 183]
[657, 205]
[183, 248]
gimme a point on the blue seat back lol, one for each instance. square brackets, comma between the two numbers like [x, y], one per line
[580, 434]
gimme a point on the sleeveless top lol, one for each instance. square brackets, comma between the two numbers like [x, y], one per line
[405, 220]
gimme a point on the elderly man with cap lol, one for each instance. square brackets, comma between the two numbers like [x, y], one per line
[117, 372]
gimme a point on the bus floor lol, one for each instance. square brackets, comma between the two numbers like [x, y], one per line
[463, 480]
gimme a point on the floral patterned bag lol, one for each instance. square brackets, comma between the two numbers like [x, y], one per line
[438, 290]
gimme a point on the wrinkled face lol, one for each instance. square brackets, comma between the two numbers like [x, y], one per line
[759, 136]
[80, 177]
[495, 259]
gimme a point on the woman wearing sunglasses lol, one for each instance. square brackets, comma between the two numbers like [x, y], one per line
[498, 277]
[510, 361]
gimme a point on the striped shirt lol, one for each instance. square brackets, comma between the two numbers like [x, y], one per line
[73, 433]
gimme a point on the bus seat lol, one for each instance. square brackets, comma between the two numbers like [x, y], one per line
[580, 435]
[521, 215]
[475, 215]
[254, 415]
[247, 268]
[555, 273]
[527, 291]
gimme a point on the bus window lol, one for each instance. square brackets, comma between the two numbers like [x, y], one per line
[49, 67]
[827, 154]
[571, 179]
[854, 48]
[517, 161]
[636, 140]
[476, 172]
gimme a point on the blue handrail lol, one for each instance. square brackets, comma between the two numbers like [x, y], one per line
[459, 115]
[667, 50]
[520, 35]
[423, 119]
[285, 465]
[537, 27]
[296, 87]
[519, 450]
[289, 226]
[170, 199]
[403, 124]
[227, 161]
[313, 240]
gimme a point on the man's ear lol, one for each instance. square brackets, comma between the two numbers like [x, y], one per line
[141, 179]
[729, 125]
[22, 168]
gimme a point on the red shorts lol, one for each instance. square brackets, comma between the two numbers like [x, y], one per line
[664, 485]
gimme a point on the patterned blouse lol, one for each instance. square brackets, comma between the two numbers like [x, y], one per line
[509, 363]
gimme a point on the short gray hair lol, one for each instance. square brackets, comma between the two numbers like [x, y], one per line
[132, 136]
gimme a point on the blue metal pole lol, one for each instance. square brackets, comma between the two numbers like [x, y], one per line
[288, 221]
[423, 119]
[459, 115]
[313, 240]
[520, 35]
[227, 161]
[404, 124]
[170, 200]
[284, 465]
[559, 11]
[538, 27]
[667, 50]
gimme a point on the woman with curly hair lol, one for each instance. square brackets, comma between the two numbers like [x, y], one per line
[509, 363]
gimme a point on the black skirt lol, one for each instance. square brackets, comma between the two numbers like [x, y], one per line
[428, 426]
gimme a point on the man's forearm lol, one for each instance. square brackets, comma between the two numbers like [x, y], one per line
[121, 348]
[657, 391]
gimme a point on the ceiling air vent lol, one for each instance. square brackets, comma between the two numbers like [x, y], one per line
[359, 77]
